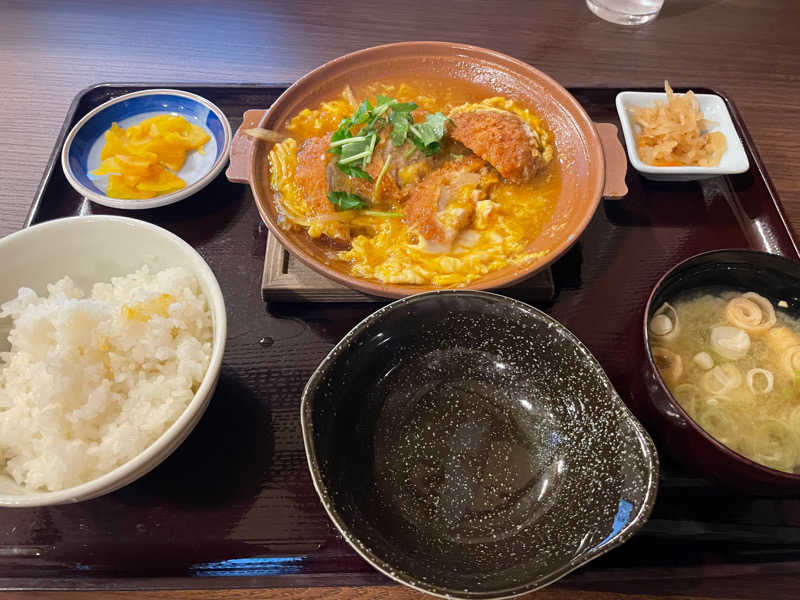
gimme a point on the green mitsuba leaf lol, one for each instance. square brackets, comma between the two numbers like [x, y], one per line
[351, 170]
[355, 155]
[400, 123]
[346, 201]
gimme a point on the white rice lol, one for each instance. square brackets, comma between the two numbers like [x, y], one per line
[90, 382]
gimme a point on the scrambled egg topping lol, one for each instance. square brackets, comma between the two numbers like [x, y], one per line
[493, 220]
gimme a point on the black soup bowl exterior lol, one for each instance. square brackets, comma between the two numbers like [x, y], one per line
[771, 276]
[468, 445]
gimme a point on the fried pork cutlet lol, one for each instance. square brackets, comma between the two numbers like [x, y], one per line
[501, 138]
[436, 210]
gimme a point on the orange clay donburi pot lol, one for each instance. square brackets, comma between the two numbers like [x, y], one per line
[592, 159]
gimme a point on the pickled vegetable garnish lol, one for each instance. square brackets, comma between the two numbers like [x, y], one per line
[675, 133]
[141, 160]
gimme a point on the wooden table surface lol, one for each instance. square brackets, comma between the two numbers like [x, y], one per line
[49, 51]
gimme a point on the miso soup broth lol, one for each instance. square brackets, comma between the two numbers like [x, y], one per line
[732, 361]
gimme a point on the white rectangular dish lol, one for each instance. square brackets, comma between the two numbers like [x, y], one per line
[714, 110]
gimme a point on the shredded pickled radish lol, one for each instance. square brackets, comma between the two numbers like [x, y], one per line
[675, 133]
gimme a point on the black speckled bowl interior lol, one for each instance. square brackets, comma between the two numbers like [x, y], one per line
[468, 445]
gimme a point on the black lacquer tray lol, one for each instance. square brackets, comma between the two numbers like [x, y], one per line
[234, 506]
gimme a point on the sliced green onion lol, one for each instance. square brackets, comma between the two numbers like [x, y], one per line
[380, 177]
[378, 213]
[371, 148]
[354, 158]
[347, 141]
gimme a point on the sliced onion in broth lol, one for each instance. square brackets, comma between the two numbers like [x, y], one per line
[687, 395]
[718, 423]
[730, 342]
[790, 361]
[721, 379]
[768, 377]
[704, 360]
[794, 420]
[665, 325]
[750, 312]
[669, 364]
[776, 445]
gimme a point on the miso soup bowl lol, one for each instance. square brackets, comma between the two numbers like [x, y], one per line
[773, 277]
[591, 154]
[469, 446]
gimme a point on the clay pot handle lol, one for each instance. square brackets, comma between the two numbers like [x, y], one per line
[241, 148]
[616, 161]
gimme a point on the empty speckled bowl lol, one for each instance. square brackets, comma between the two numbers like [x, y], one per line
[469, 446]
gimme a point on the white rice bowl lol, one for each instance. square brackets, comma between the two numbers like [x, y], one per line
[91, 380]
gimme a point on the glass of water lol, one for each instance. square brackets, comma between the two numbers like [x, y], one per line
[626, 12]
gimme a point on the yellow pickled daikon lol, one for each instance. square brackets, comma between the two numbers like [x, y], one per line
[141, 159]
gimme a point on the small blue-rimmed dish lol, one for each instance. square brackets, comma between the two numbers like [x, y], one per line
[734, 160]
[81, 151]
